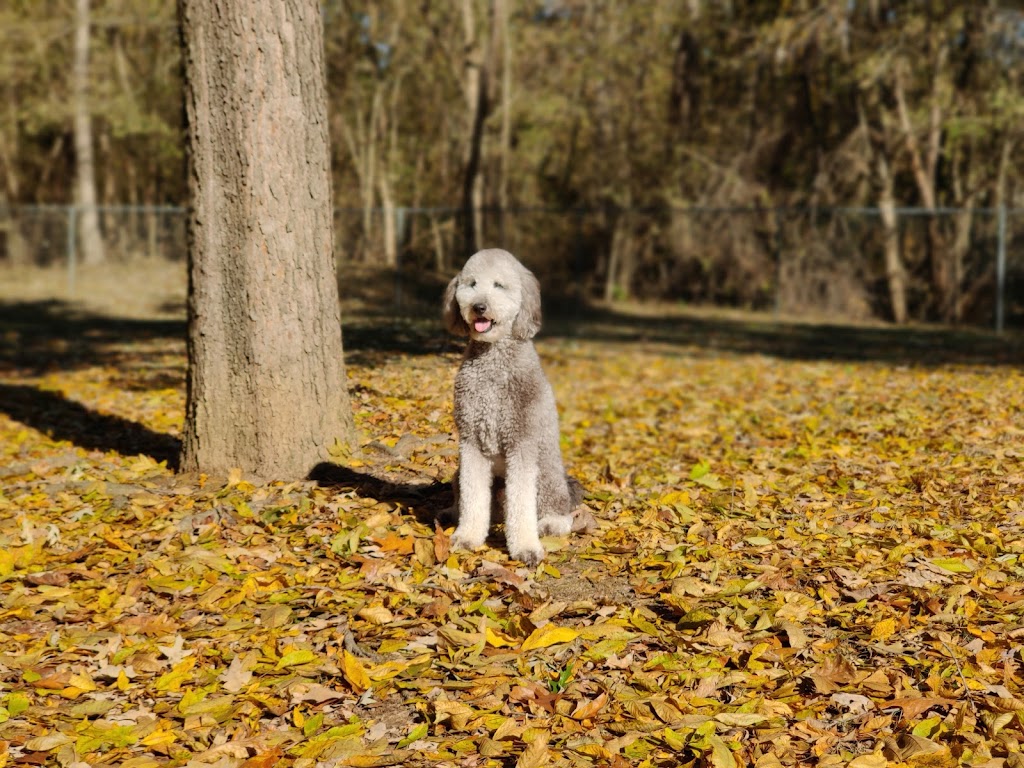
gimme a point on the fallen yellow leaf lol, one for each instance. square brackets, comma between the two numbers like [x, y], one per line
[158, 738]
[883, 629]
[296, 657]
[874, 760]
[548, 635]
[354, 672]
[498, 639]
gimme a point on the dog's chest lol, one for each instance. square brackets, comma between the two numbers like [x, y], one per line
[488, 406]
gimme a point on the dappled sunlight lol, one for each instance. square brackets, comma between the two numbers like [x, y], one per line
[793, 557]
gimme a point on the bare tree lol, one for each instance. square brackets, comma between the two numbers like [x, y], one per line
[594, 104]
[266, 381]
[85, 166]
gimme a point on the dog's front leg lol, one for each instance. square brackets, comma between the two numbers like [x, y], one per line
[474, 498]
[521, 509]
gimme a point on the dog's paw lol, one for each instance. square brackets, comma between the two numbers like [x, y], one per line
[463, 540]
[555, 525]
[530, 556]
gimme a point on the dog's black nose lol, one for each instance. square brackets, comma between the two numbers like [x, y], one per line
[480, 308]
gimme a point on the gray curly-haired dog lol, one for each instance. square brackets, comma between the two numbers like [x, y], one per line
[505, 410]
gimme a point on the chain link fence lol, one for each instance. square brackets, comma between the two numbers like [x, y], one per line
[961, 264]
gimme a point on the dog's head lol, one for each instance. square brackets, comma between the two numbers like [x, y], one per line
[494, 297]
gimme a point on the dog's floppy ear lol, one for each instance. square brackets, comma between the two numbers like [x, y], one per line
[451, 314]
[527, 322]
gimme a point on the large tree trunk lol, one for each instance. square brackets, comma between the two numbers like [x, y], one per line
[266, 381]
[85, 166]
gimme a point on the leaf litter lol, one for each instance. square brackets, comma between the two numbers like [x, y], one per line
[792, 563]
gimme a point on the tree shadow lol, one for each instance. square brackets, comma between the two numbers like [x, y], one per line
[372, 341]
[380, 329]
[63, 419]
[789, 339]
[399, 313]
[39, 336]
[427, 502]
[47, 335]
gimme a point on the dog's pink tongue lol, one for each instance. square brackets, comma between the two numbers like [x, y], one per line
[481, 326]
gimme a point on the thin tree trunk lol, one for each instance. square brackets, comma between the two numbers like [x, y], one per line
[108, 218]
[504, 44]
[266, 381]
[972, 293]
[361, 139]
[387, 211]
[17, 249]
[894, 273]
[475, 90]
[440, 254]
[1005, 152]
[964, 195]
[612, 287]
[11, 191]
[17, 252]
[389, 137]
[149, 195]
[85, 166]
[924, 164]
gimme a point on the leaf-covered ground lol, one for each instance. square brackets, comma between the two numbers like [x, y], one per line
[808, 551]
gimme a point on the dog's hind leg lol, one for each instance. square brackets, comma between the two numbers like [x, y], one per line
[556, 498]
[555, 505]
[473, 498]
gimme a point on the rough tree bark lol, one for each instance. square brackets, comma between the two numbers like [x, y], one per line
[85, 166]
[266, 382]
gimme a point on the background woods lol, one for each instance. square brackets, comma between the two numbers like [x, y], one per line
[695, 150]
[809, 542]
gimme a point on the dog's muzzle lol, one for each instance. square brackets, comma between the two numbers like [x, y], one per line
[481, 323]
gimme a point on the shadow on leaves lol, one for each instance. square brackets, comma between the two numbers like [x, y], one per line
[427, 502]
[63, 419]
[38, 336]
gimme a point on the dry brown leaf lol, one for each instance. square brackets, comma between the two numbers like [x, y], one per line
[536, 753]
[915, 707]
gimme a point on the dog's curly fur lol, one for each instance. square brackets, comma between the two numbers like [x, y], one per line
[505, 410]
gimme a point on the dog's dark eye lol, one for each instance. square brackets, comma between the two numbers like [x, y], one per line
[500, 286]
[472, 283]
